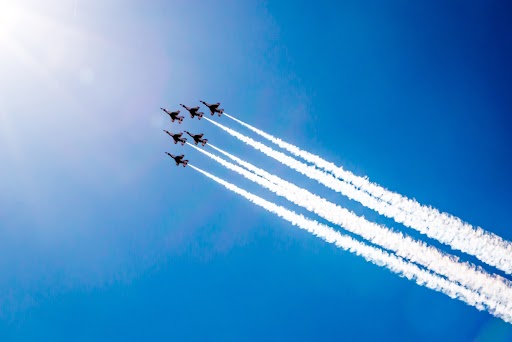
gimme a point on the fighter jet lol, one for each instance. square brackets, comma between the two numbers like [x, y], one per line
[198, 138]
[214, 107]
[174, 115]
[178, 159]
[193, 111]
[177, 137]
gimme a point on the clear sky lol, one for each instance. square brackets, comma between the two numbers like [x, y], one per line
[103, 238]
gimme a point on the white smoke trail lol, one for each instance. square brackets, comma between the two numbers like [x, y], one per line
[490, 248]
[372, 254]
[492, 254]
[494, 287]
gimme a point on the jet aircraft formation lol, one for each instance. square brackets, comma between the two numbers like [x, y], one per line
[198, 138]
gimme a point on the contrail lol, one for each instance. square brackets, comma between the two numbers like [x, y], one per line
[372, 254]
[495, 287]
[486, 246]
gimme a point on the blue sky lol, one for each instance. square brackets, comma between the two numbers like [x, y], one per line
[103, 238]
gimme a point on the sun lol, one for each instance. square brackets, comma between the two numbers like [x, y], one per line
[43, 51]
[9, 17]
[47, 39]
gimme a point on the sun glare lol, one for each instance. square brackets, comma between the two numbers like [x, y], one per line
[42, 51]
[45, 39]
[9, 16]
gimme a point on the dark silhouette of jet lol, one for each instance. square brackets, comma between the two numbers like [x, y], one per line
[178, 159]
[193, 111]
[198, 138]
[174, 115]
[177, 137]
[214, 107]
